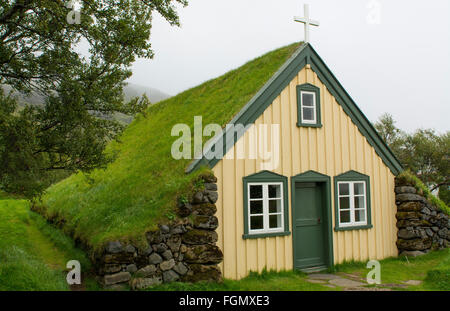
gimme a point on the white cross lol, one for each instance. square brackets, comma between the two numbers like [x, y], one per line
[305, 20]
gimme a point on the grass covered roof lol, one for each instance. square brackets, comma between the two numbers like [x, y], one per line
[139, 189]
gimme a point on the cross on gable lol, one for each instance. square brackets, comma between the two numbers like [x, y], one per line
[307, 21]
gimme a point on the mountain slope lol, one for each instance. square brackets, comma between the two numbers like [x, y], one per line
[130, 90]
[140, 188]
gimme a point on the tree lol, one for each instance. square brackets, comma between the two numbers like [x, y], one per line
[393, 136]
[38, 53]
[387, 129]
[424, 152]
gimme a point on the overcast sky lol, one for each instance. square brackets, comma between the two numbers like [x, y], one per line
[400, 65]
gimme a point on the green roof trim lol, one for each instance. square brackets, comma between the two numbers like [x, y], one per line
[265, 96]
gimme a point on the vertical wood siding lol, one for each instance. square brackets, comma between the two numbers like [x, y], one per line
[335, 148]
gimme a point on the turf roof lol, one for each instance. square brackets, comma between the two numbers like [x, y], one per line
[139, 188]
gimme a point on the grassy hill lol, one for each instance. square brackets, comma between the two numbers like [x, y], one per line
[140, 188]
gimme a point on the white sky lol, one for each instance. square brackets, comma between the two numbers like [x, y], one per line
[400, 66]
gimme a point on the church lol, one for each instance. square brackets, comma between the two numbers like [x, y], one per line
[329, 197]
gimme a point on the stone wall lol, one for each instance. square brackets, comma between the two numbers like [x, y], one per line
[422, 226]
[183, 250]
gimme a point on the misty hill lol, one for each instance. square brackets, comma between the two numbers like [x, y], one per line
[130, 91]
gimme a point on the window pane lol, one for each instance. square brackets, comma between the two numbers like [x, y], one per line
[344, 203]
[274, 206]
[274, 191]
[343, 189]
[274, 221]
[256, 207]
[359, 188]
[359, 202]
[360, 215]
[307, 100]
[308, 114]
[256, 222]
[256, 192]
[344, 217]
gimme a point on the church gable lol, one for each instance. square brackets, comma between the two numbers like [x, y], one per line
[304, 58]
[327, 150]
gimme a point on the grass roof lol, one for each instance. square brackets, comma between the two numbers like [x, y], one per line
[139, 189]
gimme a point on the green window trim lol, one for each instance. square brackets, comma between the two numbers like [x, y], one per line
[352, 176]
[307, 87]
[266, 177]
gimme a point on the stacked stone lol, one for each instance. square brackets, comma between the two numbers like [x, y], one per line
[422, 226]
[183, 250]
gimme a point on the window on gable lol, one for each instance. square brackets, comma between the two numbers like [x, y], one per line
[265, 205]
[352, 201]
[308, 106]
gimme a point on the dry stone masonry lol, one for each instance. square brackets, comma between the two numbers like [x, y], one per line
[184, 250]
[422, 226]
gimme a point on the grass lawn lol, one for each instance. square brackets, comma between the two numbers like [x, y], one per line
[432, 269]
[33, 254]
[265, 281]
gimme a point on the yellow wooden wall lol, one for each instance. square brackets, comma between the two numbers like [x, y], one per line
[335, 148]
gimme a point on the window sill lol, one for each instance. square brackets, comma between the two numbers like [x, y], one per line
[309, 125]
[265, 235]
[353, 228]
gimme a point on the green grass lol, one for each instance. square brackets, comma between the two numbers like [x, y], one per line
[139, 189]
[432, 269]
[33, 255]
[423, 189]
[439, 278]
[265, 281]
[397, 270]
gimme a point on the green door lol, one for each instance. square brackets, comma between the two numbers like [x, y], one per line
[308, 226]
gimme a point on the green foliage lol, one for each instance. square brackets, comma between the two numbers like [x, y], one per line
[444, 194]
[387, 129]
[82, 93]
[424, 152]
[422, 189]
[141, 186]
[33, 255]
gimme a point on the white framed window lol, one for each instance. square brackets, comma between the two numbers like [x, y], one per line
[265, 207]
[308, 107]
[352, 203]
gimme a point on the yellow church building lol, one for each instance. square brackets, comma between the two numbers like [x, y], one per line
[328, 194]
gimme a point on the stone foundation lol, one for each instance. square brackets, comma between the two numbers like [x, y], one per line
[183, 250]
[422, 226]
